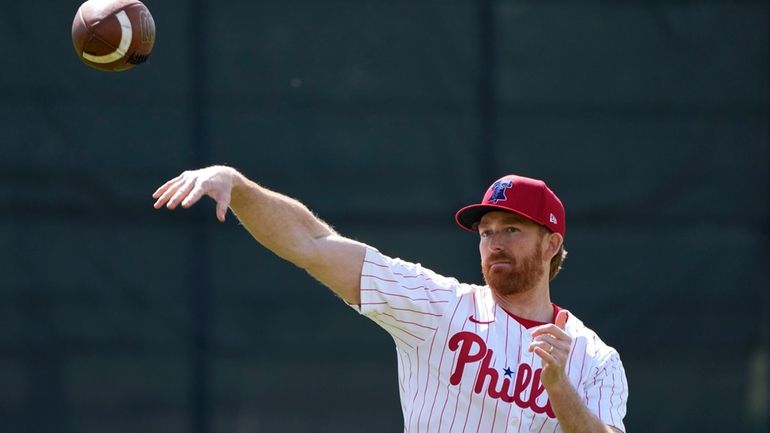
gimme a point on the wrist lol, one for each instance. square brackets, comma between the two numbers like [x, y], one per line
[560, 388]
[238, 182]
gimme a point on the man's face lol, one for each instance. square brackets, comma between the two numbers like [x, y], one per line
[511, 252]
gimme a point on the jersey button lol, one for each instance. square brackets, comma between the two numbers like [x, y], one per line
[514, 421]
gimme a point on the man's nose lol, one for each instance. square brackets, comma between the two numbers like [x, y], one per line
[494, 242]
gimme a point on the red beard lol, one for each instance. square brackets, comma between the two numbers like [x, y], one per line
[519, 278]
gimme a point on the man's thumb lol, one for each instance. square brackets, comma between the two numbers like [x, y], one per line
[223, 202]
[561, 318]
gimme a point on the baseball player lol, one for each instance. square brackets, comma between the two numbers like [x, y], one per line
[494, 358]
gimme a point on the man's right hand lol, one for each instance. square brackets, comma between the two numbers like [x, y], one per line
[187, 188]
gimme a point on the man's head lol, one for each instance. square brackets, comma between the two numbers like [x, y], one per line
[521, 223]
[515, 252]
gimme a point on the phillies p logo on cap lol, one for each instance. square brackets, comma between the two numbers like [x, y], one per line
[498, 190]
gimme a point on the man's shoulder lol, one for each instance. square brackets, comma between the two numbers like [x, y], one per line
[414, 270]
[584, 335]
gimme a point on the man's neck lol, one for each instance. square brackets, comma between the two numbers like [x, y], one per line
[534, 304]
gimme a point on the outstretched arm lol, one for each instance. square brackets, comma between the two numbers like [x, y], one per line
[280, 223]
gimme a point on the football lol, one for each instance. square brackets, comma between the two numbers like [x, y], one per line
[113, 35]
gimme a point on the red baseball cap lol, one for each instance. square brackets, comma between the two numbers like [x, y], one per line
[530, 198]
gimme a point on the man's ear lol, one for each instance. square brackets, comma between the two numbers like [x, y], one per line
[553, 241]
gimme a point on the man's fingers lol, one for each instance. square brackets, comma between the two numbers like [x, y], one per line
[550, 335]
[552, 350]
[550, 329]
[541, 344]
[165, 187]
[556, 328]
[168, 191]
[546, 338]
[552, 342]
[180, 194]
[194, 195]
[544, 355]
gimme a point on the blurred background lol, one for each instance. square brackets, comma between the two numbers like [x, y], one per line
[648, 118]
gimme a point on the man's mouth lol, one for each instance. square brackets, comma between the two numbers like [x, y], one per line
[498, 264]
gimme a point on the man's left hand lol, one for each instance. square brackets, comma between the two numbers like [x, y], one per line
[552, 344]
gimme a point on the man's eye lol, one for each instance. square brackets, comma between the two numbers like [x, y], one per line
[511, 229]
[485, 233]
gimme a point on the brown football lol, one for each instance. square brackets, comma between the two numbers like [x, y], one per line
[113, 35]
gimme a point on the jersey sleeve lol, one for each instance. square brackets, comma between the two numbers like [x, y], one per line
[606, 393]
[404, 298]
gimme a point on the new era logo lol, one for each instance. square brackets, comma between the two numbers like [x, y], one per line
[553, 219]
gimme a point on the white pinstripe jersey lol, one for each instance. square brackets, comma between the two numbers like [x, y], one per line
[463, 363]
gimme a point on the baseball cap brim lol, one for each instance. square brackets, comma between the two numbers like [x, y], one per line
[469, 216]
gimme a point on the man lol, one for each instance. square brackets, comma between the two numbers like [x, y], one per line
[493, 358]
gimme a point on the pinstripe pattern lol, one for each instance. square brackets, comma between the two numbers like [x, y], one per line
[446, 330]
